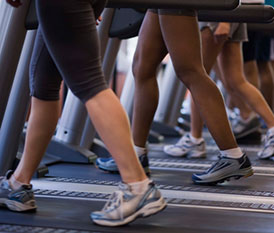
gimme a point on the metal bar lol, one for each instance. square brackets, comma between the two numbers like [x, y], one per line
[13, 41]
[244, 13]
[17, 108]
[175, 4]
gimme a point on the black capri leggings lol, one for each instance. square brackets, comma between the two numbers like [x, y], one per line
[67, 47]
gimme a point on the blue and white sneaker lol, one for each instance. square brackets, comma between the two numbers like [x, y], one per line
[268, 150]
[224, 169]
[19, 200]
[185, 147]
[124, 207]
[109, 165]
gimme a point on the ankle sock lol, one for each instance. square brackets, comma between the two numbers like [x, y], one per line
[234, 153]
[15, 184]
[140, 150]
[196, 140]
[139, 187]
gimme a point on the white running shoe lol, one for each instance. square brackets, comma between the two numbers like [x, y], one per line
[186, 147]
[124, 207]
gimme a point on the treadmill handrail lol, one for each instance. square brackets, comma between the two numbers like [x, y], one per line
[244, 13]
[175, 4]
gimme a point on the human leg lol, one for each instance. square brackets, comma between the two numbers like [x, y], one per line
[204, 92]
[79, 32]
[231, 64]
[206, 96]
[149, 53]
[193, 144]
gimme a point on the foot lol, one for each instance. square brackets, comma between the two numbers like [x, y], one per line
[186, 147]
[19, 200]
[109, 165]
[224, 169]
[124, 207]
[242, 128]
[268, 150]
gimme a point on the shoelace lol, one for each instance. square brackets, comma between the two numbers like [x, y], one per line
[184, 140]
[116, 200]
[215, 163]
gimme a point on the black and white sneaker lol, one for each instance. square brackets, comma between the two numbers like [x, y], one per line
[224, 169]
[19, 200]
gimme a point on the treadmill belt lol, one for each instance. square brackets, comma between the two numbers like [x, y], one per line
[161, 177]
[54, 213]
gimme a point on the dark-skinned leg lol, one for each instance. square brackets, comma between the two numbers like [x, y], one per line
[187, 59]
[149, 53]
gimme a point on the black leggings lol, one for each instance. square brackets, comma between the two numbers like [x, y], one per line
[67, 47]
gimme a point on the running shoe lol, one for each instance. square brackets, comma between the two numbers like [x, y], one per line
[19, 200]
[124, 207]
[268, 149]
[224, 169]
[242, 128]
[186, 147]
[109, 165]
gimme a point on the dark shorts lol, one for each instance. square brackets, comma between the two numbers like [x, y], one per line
[67, 48]
[185, 12]
[257, 48]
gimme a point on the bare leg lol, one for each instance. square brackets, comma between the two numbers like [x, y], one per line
[231, 64]
[149, 53]
[112, 124]
[42, 123]
[266, 81]
[252, 73]
[210, 50]
[187, 60]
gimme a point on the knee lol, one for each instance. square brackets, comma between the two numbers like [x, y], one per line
[191, 75]
[142, 68]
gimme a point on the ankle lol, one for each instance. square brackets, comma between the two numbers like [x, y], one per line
[196, 140]
[14, 183]
[139, 187]
[234, 153]
[140, 150]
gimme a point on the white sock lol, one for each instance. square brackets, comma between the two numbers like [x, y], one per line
[15, 184]
[271, 130]
[140, 150]
[234, 153]
[196, 140]
[140, 187]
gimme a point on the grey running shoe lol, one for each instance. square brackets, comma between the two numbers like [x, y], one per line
[124, 207]
[109, 165]
[19, 200]
[242, 129]
[268, 150]
[186, 147]
[224, 169]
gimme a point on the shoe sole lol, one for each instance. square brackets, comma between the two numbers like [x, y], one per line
[148, 210]
[245, 173]
[17, 206]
